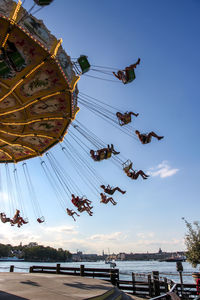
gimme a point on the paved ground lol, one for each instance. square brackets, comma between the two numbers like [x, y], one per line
[25, 286]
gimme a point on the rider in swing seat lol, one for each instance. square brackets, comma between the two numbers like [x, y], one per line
[71, 213]
[103, 153]
[17, 219]
[128, 74]
[105, 199]
[110, 191]
[4, 219]
[83, 208]
[125, 118]
[82, 204]
[135, 174]
[85, 202]
[146, 138]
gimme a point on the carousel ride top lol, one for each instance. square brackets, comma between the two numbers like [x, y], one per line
[38, 92]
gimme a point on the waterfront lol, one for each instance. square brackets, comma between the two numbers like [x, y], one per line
[166, 269]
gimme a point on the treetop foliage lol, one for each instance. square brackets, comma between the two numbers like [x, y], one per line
[192, 242]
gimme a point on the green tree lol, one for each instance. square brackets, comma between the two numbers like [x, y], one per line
[4, 250]
[192, 242]
[41, 253]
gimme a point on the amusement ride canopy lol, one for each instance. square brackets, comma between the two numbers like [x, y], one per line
[38, 92]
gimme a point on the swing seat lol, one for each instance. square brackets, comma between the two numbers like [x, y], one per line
[26, 220]
[43, 2]
[84, 63]
[127, 165]
[131, 76]
[5, 70]
[81, 209]
[126, 120]
[108, 154]
[41, 220]
[102, 155]
[16, 60]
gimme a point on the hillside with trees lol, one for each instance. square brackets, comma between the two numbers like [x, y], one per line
[35, 252]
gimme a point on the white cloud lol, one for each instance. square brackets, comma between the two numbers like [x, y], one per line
[163, 170]
[107, 237]
[61, 229]
[144, 235]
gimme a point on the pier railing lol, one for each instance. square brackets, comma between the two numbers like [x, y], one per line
[107, 274]
[144, 285]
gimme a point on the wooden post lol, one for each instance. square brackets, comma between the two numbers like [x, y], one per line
[12, 268]
[31, 270]
[150, 286]
[133, 282]
[112, 277]
[117, 274]
[58, 269]
[166, 285]
[82, 270]
[156, 283]
[171, 284]
[179, 268]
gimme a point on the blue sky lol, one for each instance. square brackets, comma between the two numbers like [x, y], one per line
[165, 35]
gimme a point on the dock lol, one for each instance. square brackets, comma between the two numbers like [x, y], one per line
[27, 286]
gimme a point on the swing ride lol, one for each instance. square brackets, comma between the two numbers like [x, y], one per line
[38, 103]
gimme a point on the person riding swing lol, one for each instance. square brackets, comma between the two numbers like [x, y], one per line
[133, 174]
[71, 213]
[17, 219]
[4, 219]
[125, 118]
[128, 74]
[105, 199]
[103, 153]
[146, 138]
[82, 204]
[110, 191]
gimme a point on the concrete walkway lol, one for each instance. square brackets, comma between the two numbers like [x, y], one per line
[23, 286]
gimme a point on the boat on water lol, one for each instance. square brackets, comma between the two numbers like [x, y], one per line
[111, 263]
[174, 258]
[14, 258]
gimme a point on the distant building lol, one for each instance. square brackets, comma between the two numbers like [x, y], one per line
[79, 256]
[33, 244]
[121, 256]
